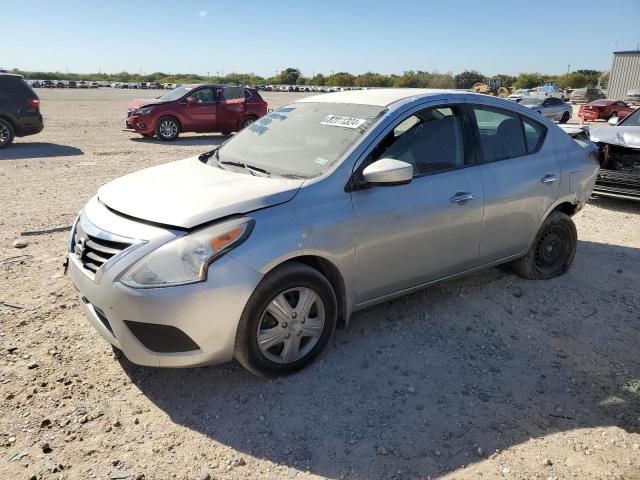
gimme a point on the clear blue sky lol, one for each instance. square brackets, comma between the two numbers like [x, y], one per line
[388, 36]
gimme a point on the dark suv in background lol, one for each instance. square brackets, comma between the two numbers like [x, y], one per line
[19, 109]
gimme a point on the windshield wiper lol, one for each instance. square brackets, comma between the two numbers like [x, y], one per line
[250, 168]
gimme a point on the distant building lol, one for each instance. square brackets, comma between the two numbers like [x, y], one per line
[625, 74]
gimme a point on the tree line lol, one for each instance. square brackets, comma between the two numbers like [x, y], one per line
[293, 76]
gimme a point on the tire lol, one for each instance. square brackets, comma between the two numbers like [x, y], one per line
[246, 121]
[553, 249]
[565, 117]
[290, 349]
[6, 133]
[167, 129]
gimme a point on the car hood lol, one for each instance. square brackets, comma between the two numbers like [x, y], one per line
[622, 136]
[144, 101]
[188, 193]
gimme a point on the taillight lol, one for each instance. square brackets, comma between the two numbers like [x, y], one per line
[34, 102]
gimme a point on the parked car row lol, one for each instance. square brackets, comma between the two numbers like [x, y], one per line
[144, 85]
[63, 84]
[304, 88]
[88, 84]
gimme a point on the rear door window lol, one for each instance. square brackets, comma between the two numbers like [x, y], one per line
[533, 134]
[231, 93]
[501, 133]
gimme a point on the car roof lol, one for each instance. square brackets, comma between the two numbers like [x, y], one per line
[217, 85]
[381, 97]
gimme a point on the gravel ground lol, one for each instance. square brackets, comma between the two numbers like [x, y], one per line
[490, 376]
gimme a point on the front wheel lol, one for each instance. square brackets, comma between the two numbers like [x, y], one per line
[553, 250]
[167, 129]
[6, 133]
[287, 321]
[565, 117]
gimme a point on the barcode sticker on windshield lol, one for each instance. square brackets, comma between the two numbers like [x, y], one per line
[346, 122]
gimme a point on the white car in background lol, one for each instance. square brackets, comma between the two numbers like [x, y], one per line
[519, 94]
[546, 91]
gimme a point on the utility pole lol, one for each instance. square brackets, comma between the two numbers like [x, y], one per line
[568, 67]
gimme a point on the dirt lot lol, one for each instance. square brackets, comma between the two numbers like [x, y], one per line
[487, 377]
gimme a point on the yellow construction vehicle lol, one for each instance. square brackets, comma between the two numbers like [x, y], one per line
[493, 87]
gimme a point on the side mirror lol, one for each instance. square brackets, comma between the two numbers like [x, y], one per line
[388, 171]
[192, 101]
[614, 121]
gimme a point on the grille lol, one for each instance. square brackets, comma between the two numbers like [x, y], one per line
[93, 252]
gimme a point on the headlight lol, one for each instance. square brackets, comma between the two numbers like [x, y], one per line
[143, 111]
[187, 259]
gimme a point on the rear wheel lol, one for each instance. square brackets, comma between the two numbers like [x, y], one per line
[287, 321]
[246, 121]
[167, 129]
[552, 251]
[565, 117]
[6, 133]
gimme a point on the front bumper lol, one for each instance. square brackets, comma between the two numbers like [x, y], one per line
[206, 313]
[139, 123]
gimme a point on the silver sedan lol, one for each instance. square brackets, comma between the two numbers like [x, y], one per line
[257, 249]
[550, 107]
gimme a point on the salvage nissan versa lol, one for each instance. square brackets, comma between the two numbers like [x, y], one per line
[255, 250]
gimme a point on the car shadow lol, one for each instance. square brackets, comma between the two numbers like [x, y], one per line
[435, 380]
[189, 141]
[29, 150]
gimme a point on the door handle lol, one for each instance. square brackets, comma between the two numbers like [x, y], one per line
[461, 197]
[549, 178]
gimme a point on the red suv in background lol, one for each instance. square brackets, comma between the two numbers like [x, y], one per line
[196, 108]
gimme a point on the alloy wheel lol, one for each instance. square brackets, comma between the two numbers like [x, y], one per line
[291, 325]
[4, 134]
[168, 129]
